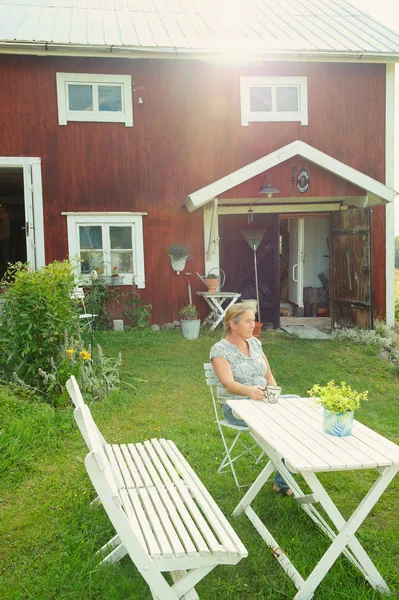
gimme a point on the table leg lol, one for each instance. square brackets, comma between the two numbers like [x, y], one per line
[254, 489]
[346, 535]
[223, 310]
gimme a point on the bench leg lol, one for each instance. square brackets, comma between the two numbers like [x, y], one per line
[183, 580]
[112, 551]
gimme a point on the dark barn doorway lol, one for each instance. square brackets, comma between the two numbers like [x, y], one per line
[237, 261]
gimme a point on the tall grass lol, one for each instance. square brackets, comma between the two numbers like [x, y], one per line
[49, 533]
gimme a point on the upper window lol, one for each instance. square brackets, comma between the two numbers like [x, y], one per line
[109, 243]
[274, 99]
[85, 97]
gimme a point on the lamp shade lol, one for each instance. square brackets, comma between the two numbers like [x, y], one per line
[268, 188]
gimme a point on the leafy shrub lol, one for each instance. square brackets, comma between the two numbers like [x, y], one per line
[96, 376]
[138, 312]
[397, 303]
[37, 311]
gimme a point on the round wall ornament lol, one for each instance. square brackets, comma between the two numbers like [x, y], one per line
[303, 181]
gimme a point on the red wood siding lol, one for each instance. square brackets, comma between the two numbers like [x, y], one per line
[186, 134]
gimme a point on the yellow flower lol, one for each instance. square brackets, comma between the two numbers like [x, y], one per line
[85, 355]
[70, 351]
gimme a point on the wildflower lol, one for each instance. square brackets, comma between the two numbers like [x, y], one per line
[70, 351]
[85, 355]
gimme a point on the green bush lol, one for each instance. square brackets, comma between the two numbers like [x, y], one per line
[96, 376]
[37, 311]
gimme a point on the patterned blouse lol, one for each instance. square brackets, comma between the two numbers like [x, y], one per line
[249, 370]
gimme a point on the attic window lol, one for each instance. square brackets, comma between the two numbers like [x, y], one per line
[274, 99]
[94, 98]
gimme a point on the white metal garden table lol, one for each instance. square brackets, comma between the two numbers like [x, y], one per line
[292, 430]
[216, 302]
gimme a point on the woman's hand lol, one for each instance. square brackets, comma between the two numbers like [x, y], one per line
[257, 392]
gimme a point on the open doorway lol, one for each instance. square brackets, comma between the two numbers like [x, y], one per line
[304, 265]
[12, 217]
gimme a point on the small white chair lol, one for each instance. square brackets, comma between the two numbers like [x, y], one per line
[212, 380]
[88, 318]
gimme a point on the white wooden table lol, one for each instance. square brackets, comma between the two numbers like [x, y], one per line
[215, 302]
[292, 429]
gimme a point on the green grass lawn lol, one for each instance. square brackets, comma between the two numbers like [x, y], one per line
[48, 532]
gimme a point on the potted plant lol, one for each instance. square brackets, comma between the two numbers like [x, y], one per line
[212, 281]
[178, 254]
[190, 321]
[116, 279]
[338, 401]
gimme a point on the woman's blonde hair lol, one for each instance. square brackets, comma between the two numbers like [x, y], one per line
[234, 313]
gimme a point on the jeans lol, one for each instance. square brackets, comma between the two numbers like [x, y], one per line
[228, 415]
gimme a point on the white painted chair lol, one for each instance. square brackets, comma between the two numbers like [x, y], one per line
[228, 460]
[164, 517]
[87, 318]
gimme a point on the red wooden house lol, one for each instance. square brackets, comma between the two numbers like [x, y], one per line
[127, 126]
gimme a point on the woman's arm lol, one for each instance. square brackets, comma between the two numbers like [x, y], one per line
[226, 378]
[269, 375]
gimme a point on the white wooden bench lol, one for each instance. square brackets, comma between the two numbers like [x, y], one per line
[164, 517]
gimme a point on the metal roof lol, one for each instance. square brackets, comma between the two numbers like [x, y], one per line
[282, 27]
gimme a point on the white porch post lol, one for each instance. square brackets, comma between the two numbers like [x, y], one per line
[390, 139]
[211, 235]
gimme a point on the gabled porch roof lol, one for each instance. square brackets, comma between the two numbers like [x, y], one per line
[377, 192]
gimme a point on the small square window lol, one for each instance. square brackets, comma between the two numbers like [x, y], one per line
[260, 98]
[80, 97]
[93, 98]
[108, 243]
[287, 99]
[110, 98]
[274, 99]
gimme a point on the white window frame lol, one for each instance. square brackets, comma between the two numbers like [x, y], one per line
[65, 115]
[248, 116]
[76, 219]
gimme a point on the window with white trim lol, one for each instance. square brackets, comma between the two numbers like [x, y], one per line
[274, 99]
[93, 98]
[110, 243]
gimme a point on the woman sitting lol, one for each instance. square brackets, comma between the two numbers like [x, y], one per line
[242, 369]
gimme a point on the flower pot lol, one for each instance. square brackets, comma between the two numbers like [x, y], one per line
[191, 329]
[258, 329]
[212, 285]
[339, 424]
[113, 280]
[178, 263]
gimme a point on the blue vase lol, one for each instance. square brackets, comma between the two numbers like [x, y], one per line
[339, 424]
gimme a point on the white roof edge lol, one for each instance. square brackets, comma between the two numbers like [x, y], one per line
[207, 193]
[57, 49]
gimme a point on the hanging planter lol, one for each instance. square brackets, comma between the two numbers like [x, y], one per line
[178, 254]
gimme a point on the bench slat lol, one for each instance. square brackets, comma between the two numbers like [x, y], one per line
[199, 519]
[137, 480]
[154, 523]
[221, 526]
[152, 544]
[139, 464]
[127, 478]
[131, 515]
[167, 525]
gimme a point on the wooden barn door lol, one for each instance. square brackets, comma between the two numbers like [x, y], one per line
[350, 266]
[237, 261]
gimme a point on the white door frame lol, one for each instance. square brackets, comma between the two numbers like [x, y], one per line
[33, 205]
[296, 260]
